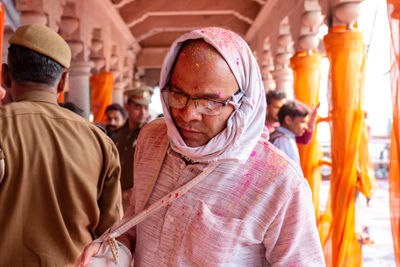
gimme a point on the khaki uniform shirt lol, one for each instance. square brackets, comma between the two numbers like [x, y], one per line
[61, 184]
[125, 140]
[257, 213]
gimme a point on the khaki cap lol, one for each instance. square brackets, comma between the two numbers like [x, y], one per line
[141, 95]
[43, 40]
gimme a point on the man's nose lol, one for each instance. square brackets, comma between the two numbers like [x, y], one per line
[189, 112]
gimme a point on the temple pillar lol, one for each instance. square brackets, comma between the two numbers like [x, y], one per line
[266, 66]
[79, 85]
[283, 74]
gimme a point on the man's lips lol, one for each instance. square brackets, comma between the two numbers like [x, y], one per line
[188, 133]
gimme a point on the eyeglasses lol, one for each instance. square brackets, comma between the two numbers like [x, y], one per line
[204, 106]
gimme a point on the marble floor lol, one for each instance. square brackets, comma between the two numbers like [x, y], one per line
[375, 222]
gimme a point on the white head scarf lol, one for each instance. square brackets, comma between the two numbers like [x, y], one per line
[245, 125]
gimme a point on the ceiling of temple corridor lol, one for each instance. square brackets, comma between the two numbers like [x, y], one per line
[156, 24]
[148, 28]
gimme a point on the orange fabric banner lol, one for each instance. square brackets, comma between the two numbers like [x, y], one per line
[366, 182]
[394, 163]
[307, 76]
[101, 86]
[346, 53]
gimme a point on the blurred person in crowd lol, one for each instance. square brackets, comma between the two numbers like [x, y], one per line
[293, 120]
[137, 107]
[115, 118]
[275, 100]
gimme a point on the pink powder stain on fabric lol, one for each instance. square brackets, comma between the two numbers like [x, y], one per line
[170, 195]
[219, 214]
[253, 101]
[253, 153]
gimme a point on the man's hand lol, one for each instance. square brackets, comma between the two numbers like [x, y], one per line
[313, 117]
[89, 251]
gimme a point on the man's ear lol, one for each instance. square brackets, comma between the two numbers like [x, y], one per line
[61, 83]
[5, 76]
[288, 120]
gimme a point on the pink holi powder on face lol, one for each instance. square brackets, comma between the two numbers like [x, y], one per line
[219, 214]
[182, 54]
[247, 183]
[176, 195]
[219, 94]
[170, 195]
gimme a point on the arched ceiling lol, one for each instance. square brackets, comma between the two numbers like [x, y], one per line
[156, 24]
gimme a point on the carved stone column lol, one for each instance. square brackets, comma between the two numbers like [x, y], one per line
[346, 12]
[267, 65]
[79, 86]
[118, 92]
[6, 36]
[283, 74]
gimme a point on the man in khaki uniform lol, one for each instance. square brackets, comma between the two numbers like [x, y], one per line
[60, 188]
[137, 108]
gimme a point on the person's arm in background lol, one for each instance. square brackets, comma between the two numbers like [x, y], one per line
[306, 138]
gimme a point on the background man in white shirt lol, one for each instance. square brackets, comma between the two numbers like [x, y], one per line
[293, 119]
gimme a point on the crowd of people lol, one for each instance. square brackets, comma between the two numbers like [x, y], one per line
[67, 181]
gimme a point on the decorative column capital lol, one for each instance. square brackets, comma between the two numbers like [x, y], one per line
[80, 68]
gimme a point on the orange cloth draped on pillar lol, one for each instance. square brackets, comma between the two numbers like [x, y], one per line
[394, 164]
[366, 182]
[346, 53]
[102, 86]
[307, 76]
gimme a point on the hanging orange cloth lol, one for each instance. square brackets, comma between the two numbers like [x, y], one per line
[345, 50]
[101, 85]
[394, 164]
[366, 182]
[307, 76]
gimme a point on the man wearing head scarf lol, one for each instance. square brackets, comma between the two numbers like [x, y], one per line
[255, 208]
[59, 183]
